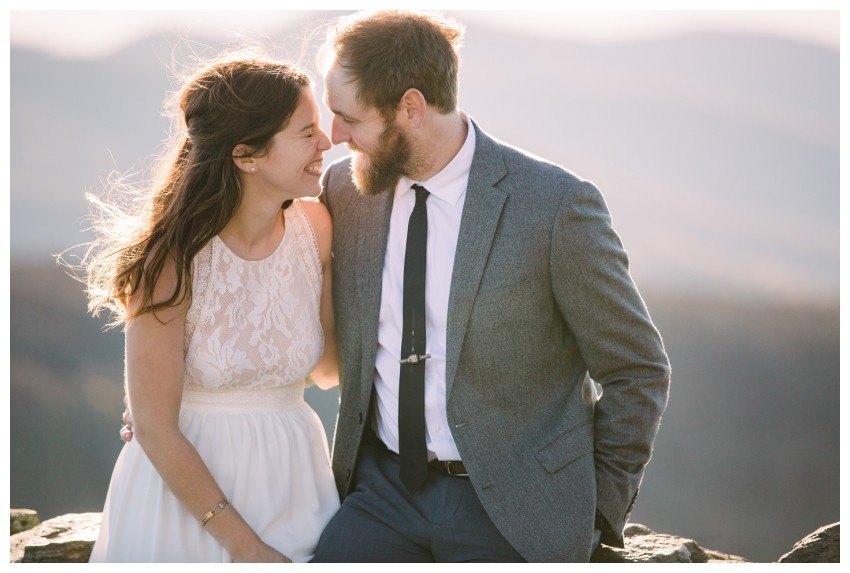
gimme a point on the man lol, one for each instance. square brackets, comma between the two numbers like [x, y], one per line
[527, 296]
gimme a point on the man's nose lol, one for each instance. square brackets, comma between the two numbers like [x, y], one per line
[338, 132]
[325, 141]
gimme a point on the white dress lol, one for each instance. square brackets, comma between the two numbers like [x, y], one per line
[252, 337]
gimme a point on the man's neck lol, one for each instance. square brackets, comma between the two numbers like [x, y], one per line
[441, 140]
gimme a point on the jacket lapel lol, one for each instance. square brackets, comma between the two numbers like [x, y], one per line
[374, 221]
[481, 213]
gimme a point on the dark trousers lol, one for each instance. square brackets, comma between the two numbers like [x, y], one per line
[380, 522]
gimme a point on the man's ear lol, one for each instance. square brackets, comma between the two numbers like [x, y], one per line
[242, 158]
[412, 107]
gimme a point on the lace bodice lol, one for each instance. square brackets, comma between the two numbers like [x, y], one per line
[255, 324]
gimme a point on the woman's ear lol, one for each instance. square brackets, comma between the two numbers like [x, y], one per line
[243, 160]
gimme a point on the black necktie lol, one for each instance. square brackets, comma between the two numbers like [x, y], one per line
[411, 395]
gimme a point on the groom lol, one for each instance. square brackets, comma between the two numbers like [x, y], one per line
[512, 454]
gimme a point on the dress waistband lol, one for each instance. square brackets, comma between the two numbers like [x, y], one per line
[278, 398]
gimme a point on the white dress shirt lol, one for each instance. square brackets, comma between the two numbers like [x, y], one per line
[445, 207]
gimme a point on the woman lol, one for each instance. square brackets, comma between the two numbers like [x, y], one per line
[226, 301]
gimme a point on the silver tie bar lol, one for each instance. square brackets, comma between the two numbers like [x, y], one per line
[414, 359]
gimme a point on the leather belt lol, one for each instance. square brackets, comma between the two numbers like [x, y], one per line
[451, 467]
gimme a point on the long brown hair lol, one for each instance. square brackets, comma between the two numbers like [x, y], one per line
[235, 100]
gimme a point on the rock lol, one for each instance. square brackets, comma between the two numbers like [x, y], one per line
[821, 546]
[69, 539]
[646, 546]
[22, 519]
[64, 539]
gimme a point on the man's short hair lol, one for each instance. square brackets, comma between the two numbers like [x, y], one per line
[388, 52]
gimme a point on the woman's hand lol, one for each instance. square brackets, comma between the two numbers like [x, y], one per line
[126, 431]
[259, 553]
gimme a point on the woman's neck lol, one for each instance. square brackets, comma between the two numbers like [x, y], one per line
[254, 235]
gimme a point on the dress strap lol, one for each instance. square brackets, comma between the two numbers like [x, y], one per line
[307, 245]
[201, 272]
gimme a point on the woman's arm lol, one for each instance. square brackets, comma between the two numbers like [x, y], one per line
[154, 366]
[326, 373]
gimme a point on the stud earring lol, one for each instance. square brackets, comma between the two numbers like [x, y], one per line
[253, 170]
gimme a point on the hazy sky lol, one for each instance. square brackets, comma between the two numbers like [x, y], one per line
[96, 32]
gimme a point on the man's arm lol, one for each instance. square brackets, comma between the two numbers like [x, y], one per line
[621, 348]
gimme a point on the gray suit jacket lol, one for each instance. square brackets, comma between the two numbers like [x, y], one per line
[541, 297]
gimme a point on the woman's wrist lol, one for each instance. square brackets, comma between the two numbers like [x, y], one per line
[234, 533]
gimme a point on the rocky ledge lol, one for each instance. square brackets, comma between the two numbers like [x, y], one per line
[69, 539]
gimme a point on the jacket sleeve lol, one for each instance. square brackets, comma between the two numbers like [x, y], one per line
[622, 349]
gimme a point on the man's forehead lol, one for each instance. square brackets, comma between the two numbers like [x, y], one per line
[339, 85]
[341, 94]
[337, 91]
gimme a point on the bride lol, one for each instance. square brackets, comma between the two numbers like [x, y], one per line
[222, 284]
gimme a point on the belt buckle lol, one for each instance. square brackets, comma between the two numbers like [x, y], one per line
[448, 466]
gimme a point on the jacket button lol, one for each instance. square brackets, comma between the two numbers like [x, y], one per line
[347, 475]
